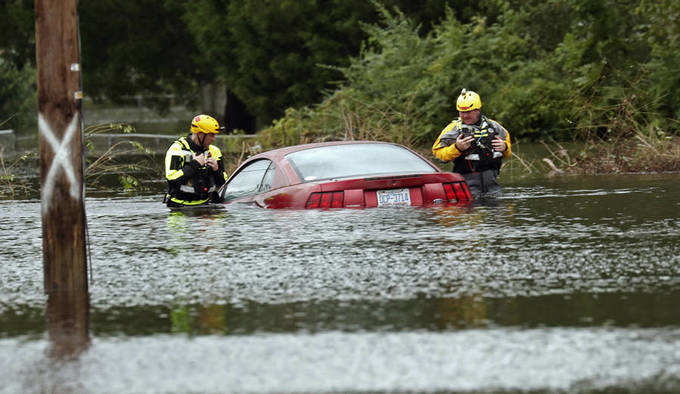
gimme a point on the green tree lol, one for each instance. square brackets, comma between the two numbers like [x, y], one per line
[555, 69]
[279, 54]
[17, 41]
[663, 37]
[272, 53]
[18, 97]
[18, 102]
[138, 48]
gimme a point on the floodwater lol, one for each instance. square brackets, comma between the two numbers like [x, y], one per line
[563, 284]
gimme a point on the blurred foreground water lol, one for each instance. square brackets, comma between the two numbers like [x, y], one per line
[562, 284]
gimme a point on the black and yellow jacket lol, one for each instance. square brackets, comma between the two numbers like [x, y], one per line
[480, 156]
[189, 183]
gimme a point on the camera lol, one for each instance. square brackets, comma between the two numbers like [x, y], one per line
[467, 131]
[481, 142]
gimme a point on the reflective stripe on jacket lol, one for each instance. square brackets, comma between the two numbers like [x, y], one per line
[480, 156]
[185, 175]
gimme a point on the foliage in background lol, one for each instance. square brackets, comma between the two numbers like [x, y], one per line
[272, 54]
[269, 53]
[663, 38]
[139, 47]
[18, 96]
[387, 96]
[17, 41]
[555, 69]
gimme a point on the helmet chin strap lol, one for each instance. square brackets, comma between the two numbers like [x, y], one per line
[201, 140]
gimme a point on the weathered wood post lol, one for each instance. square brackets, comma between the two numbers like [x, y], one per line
[61, 173]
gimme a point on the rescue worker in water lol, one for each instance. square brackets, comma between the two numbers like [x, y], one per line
[193, 166]
[476, 144]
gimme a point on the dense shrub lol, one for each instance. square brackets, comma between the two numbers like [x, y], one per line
[556, 69]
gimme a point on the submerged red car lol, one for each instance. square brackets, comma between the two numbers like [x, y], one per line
[343, 174]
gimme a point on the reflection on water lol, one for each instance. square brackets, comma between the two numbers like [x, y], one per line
[431, 314]
[569, 284]
[622, 310]
[68, 323]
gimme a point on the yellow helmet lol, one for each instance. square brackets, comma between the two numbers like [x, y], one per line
[205, 124]
[468, 101]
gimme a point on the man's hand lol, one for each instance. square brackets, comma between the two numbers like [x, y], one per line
[499, 145]
[212, 163]
[201, 159]
[463, 143]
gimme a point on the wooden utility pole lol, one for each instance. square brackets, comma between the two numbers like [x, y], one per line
[61, 168]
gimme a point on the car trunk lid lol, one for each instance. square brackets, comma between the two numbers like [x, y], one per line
[391, 190]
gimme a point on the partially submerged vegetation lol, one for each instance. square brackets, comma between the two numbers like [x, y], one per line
[14, 182]
[642, 154]
[126, 160]
[124, 164]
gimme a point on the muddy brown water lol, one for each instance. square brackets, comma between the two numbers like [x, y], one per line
[564, 284]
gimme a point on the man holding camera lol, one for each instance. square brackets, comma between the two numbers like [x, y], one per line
[476, 145]
[193, 166]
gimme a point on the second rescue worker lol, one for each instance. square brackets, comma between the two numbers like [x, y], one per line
[193, 166]
[476, 144]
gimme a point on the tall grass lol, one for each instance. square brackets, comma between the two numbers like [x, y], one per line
[648, 151]
[633, 140]
[128, 162]
[14, 184]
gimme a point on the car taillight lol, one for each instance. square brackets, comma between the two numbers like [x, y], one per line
[450, 194]
[462, 190]
[457, 191]
[325, 200]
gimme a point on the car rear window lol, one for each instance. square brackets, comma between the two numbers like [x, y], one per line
[342, 161]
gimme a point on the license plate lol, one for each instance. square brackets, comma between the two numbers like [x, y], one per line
[393, 197]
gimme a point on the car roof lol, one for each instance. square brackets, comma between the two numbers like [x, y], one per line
[279, 153]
